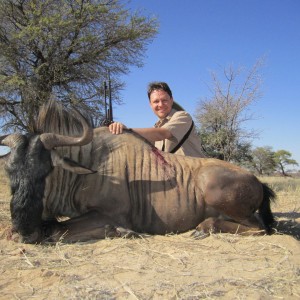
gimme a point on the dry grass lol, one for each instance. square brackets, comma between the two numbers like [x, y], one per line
[283, 184]
[222, 266]
[287, 206]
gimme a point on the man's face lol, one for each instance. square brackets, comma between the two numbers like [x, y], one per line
[161, 103]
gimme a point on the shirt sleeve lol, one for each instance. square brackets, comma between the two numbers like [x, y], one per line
[179, 124]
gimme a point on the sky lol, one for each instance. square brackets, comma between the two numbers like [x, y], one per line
[197, 36]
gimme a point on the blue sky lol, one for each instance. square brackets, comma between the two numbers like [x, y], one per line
[197, 36]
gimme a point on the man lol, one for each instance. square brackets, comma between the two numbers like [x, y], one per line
[175, 131]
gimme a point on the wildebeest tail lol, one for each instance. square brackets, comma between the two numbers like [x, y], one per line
[264, 210]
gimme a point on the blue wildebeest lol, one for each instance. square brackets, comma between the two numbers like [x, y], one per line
[110, 185]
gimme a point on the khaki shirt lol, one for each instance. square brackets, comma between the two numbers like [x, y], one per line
[179, 123]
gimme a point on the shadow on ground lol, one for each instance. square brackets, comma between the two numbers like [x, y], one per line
[286, 224]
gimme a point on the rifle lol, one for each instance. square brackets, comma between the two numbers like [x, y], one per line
[108, 110]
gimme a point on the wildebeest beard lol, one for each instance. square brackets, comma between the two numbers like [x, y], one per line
[27, 171]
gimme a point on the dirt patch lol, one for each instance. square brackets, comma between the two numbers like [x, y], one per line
[222, 266]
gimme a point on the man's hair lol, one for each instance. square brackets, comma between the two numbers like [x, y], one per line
[159, 86]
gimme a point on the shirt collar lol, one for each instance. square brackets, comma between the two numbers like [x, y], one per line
[163, 121]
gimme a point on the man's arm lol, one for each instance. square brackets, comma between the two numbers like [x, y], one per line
[150, 134]
[153, 134]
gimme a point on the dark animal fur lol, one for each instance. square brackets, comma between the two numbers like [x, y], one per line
[264, 210]
[28, 169]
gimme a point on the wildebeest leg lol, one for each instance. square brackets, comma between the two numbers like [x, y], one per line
[92, 225]
[217, 225]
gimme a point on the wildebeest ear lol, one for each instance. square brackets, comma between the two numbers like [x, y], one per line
[69, 164]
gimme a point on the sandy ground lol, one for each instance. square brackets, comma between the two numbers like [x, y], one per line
[222, 266]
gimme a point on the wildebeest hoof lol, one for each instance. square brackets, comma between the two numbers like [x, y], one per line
[199, 234]
[32, 238]
[14, 236]
[127, 233]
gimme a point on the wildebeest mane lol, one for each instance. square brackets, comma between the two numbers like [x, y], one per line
[54, 117]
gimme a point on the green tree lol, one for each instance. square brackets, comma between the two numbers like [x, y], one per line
[223, 114]
[263, 160]
[65, 49]
[283, 159]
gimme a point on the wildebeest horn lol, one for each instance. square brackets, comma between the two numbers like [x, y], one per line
[10, 140]
[52, 140]
[2, 137]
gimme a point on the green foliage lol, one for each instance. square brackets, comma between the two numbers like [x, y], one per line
[65, 49]
[283, 159]
[263, 160]
[222, 115]
[219, 145]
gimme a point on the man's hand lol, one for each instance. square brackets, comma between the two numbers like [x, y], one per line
[116, 128]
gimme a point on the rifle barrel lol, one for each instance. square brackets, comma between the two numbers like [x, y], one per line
[110, 103]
